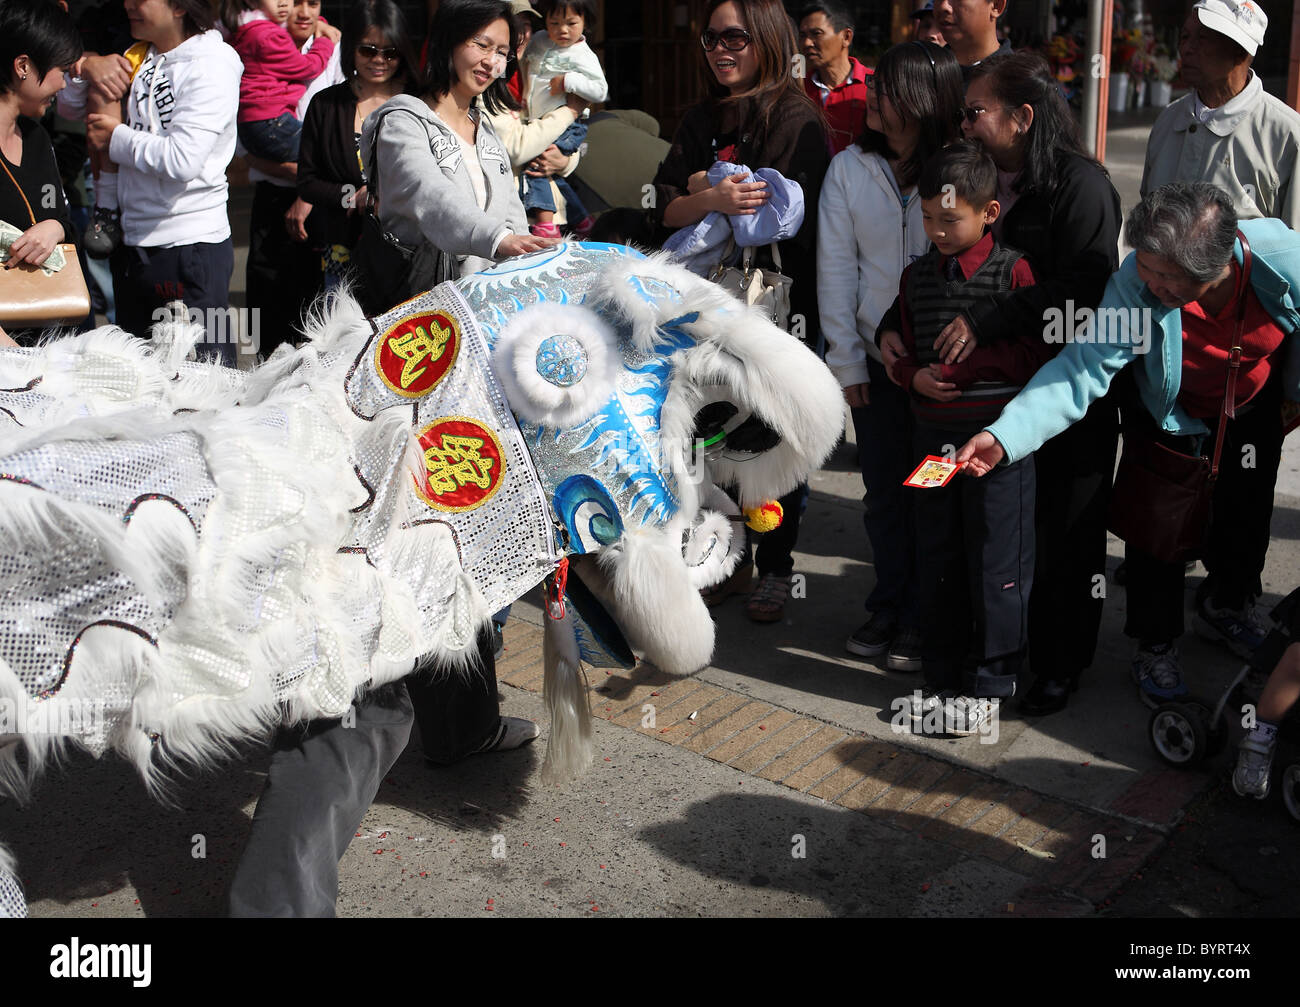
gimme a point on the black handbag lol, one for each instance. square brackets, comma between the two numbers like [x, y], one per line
[1162, 497]
[389, 271]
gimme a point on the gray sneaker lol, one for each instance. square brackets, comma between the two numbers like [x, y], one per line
[1158, 673]
[1254, 767]
[924, 701]
[905, 651]
[966, 715]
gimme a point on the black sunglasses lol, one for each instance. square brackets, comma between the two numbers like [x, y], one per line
[733, 39]
[371, 51]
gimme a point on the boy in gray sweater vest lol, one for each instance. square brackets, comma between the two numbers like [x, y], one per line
[975, 538]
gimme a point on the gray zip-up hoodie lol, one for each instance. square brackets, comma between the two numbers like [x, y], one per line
[424, 188]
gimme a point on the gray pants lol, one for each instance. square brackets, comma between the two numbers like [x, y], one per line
[322, 780]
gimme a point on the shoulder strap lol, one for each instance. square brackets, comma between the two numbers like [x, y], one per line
[20, 190]
[1229, 408]
[373, 180]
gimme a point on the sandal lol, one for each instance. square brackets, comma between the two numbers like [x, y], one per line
[737, 583]
[767, 602]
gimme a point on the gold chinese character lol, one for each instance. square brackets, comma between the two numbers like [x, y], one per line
[457, 463]
[416, 348]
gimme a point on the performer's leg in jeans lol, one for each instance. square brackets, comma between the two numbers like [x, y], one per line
[320, 785]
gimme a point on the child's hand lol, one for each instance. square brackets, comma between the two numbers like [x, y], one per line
[329, 31]
[926, 382]
[99, 129]
[557, 85]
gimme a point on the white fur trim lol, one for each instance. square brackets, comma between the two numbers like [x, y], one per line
[514, 360]
[713, 546]
[658, 608]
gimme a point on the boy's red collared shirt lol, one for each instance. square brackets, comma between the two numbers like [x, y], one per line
[845, 106]
[969, 260]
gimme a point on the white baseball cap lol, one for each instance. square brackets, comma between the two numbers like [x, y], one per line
[1241, 20]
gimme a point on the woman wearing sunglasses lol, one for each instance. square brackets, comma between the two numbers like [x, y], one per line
[1060, 209]
[378, 63]
[869, 230]
[754, 113]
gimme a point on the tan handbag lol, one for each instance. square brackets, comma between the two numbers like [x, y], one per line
[29, 299]
[765, 289]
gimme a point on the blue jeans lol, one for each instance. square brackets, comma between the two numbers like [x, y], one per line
[884, 433]
[536, 193]
[272, 139]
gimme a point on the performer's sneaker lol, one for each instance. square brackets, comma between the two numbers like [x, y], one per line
[924, 701]
[511, 733]
[967, 715]
[1241, 630]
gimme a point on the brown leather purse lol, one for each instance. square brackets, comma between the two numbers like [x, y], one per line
[29, 299]
[1162, 497]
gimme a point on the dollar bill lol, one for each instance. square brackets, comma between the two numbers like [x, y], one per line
[9, 234]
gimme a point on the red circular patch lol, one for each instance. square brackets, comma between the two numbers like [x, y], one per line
[463, 464]
[416, 352]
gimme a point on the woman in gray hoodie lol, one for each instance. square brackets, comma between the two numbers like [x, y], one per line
[438, 170]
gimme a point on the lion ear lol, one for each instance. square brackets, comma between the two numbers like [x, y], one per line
[558, 364]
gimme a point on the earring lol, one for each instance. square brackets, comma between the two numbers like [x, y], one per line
[23, 77]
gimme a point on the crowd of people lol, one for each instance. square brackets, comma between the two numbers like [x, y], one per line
[950, 208]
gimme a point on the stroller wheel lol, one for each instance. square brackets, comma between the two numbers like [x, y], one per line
[1178, 733]
[1291, 789]
[1216, 731]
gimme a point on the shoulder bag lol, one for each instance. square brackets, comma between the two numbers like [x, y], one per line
[32, 299]
[768, 290]
[390, 271]
[1162, 497]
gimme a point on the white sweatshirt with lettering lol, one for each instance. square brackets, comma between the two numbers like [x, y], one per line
[179, 137]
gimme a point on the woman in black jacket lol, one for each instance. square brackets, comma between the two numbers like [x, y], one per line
[756, 114]
[1060, 209]
[378, 62]
[38, 44]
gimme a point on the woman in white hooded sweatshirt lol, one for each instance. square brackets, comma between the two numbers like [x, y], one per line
[868, 230]
[172, 154]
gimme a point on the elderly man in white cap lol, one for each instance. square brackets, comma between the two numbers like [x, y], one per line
[1227, 130]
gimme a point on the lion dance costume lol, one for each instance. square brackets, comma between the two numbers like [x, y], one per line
[193, 555]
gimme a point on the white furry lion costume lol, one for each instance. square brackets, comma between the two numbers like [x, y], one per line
[190, 555]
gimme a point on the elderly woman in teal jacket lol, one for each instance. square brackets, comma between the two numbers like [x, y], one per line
[1171, 312]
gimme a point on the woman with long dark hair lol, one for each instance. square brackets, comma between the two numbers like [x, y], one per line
[869, 230]
[434, 163]
[441, 175]
[1060, 209]
[378, 63]
[755, 112]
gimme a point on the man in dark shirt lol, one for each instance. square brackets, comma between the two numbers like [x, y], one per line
[970, 28]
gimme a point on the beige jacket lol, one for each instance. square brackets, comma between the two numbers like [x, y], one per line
[1248, 147]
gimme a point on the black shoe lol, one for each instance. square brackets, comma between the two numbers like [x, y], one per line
[905, 651]
[1047, 695]
[874, 636]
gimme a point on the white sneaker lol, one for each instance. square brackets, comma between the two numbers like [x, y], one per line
[966, 715]
[511, 733]
[1254, 767]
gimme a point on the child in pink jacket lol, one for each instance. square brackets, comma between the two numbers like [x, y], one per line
[276, 74]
